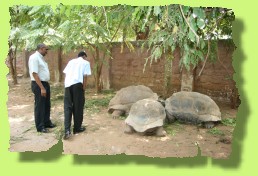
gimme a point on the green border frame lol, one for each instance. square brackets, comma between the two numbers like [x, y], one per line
[244, 152]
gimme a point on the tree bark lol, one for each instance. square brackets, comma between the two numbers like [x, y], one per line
[12, 60]
[98, 82]
[60, 71]
[187, 79]
[168, 74]
[26, 64]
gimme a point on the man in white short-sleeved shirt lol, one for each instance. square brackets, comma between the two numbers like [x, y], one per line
[39, 74]
[76, 72]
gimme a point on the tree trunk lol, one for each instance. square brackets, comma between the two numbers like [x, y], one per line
[98, 82]
[26, 73]
[59, 61]
[168, 75]
[124, 38]
[187, 79]
[12, 60]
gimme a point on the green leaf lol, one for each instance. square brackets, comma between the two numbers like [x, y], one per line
[199, 12]
[157, 53]
[200, 23]
[171, 41]
[64, 26]
[34, 10]
[202, 44]
[199, 54]
[191, 36]
[186, 61]
[68, 11]
[173, 47]
[157, 10]
[185, 9]
[193, 23]
[186, 47]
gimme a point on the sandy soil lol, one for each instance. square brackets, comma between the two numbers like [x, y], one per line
[105, 135]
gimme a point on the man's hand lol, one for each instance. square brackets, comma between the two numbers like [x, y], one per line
[42, 88]
[84, 82]
[43, 92]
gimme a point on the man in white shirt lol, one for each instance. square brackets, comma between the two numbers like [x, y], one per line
[76, 73]
[39, 74]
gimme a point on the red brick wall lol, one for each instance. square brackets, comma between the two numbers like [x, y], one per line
[126, 69]
[214, 80]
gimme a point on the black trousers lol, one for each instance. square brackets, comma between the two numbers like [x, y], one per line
[41, 105]
[73, 106]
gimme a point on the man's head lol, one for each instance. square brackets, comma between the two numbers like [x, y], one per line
[42, 49]
[82, 54]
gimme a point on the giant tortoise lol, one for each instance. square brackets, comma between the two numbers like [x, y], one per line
[146, 117]
[192, 107]
[121, 103]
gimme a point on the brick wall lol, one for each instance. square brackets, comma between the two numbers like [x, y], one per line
[126, 69]
[216, 78]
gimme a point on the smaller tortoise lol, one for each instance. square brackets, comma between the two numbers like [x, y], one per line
[121, 103]
[192, 107]
[146, 117]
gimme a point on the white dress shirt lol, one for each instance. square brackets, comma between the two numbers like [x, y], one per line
[37, 64]
[75, 70]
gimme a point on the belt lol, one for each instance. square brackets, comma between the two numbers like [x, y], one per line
[40, 81]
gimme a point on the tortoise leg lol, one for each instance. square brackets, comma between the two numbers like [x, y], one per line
[209, 124]
[129, 129]
[148, 132]
[169, 118]
[117, 113]
[160, 132]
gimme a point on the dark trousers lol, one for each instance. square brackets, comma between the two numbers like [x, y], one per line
[73, 106]
[41, 105]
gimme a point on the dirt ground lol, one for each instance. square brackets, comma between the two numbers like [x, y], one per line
[105, 135]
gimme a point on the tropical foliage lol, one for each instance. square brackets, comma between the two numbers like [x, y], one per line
[189, 28]
[66, 28]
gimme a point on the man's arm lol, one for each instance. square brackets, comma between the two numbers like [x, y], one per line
[43, 90]
[84, 82]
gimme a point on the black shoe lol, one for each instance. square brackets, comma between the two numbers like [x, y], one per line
[79, 130]
[67, 135]
[44, 130]
[51, 125]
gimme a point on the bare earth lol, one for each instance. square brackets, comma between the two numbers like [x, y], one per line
[105, 135]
